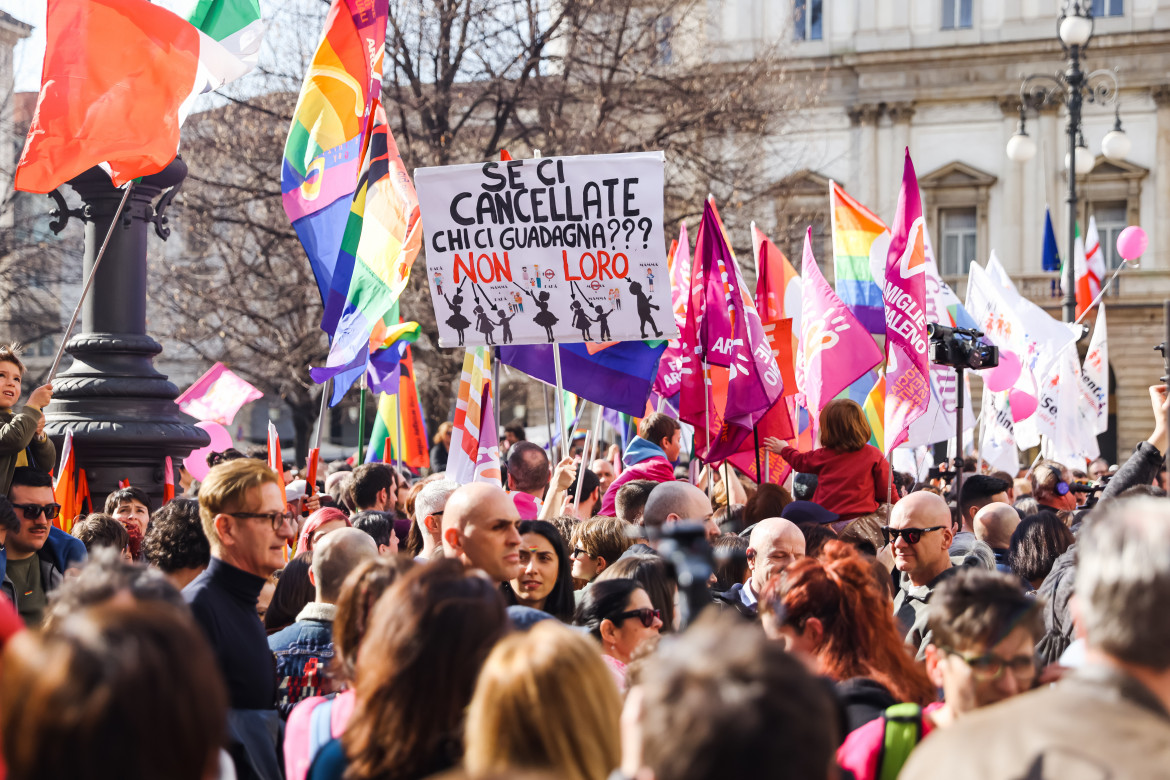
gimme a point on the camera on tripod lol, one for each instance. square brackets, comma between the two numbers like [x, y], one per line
[960, 348]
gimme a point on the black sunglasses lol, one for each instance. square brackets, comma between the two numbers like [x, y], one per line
[911, 535]
[277, 519]
[578, 551]
[33, 511]
[645, 614]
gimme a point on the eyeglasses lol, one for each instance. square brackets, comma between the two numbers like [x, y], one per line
[277, 519]
[911, 535]
[645, 614]
[577, 551]
[33, 511]
[989, 666]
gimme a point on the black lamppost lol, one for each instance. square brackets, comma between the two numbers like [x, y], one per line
[1072, 86]
[120, 409]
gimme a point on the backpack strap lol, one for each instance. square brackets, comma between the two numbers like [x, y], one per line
[320, 727]
[903, 731]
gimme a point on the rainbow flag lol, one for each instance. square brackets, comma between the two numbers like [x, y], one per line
[475, 448]
[856, 229]
[329, 137]
[413, 446]
[384, 233]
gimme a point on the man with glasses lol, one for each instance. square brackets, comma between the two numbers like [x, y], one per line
[242, 507]
[32, 573]
[919, 535]
[1110, 717]
[983, 651]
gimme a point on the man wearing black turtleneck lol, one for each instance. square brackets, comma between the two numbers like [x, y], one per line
[242, 506]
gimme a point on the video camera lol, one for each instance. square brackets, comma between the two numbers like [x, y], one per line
[690, 561]
[960, 348]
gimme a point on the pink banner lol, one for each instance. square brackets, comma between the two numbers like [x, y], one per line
[835, 348]
[904, 295]
[217, 396]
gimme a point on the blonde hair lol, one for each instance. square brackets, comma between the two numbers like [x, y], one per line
[444, 427]
[521, 717]
[10, 353]
[226, 487]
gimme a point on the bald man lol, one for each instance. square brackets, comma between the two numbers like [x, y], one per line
[995, 524]
[481, 527]
[920, 533]
[775, 544]
[674, 502]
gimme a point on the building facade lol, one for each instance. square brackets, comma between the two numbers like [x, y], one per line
[943, 78]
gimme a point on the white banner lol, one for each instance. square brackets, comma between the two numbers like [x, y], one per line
[1095, 374]
[553, 249]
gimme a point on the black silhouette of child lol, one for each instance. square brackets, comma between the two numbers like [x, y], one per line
[603, 318]
[457, 321]
[506, 322]
[644, 307]
[544, 318]
[581, 320]
[484, 324]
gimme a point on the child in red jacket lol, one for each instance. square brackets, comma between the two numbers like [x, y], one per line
[853, 477]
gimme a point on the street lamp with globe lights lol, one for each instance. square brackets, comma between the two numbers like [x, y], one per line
[1072, 87]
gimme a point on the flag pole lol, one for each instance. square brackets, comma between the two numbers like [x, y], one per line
[361, 456]
[398, 448]
[88, 284]
[318, 432]
[756, 442]
[581, 473]
[495, 390]
[707, 425]
[560, 394]
[1104, 289]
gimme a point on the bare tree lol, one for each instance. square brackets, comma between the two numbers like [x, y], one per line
[463, 79]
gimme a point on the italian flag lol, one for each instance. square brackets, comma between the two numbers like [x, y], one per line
[119, 78]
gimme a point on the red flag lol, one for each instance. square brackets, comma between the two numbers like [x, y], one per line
[311, 470]
[65, 487]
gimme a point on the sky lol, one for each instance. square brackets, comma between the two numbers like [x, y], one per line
[31, 50]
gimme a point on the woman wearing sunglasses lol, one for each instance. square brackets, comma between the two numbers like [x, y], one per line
[619, 615]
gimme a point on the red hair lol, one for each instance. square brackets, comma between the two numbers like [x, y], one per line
[861, 638]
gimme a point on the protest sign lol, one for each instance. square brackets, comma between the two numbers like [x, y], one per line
[563, 249]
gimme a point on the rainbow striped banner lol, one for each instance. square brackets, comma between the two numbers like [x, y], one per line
[328, 140]
[858, 236]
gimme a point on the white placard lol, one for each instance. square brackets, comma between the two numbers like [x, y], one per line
[551, 249]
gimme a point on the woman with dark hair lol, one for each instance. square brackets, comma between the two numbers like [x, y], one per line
[361, 591]
[830, 610]
[95, 696]
[293, 591]
[650, 571]
[1036, 544]
[853, 476]
[619, 614]
[545, 581]
[429, 635]
[731, 566]
[768, 501]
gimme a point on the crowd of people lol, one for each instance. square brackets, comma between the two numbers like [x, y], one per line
[588, 620]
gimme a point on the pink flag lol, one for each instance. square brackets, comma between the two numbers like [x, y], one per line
[835, 349]
[723, 330]
[904, 295]
[217, 396]
[487, 461]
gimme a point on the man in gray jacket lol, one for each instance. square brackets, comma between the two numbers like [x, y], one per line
[1110, 718]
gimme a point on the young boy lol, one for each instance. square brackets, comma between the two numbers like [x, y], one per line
[22, 434]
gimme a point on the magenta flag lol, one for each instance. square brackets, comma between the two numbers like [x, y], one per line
[904, 296]
[723, 330]
[835, 348]
[217, 396]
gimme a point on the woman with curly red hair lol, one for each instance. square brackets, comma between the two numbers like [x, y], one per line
[830, 610]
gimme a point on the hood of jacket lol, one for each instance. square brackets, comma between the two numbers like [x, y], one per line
[642, 450]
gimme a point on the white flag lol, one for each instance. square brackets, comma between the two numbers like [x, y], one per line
[1095, 373]
[997, 440]
[1072, 441]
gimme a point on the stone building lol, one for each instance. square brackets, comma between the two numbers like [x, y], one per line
[943, 77]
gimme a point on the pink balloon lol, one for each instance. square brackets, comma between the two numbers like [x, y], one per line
[196, 462]
[1003, 376]
[1023, 404]
[1132, 242]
